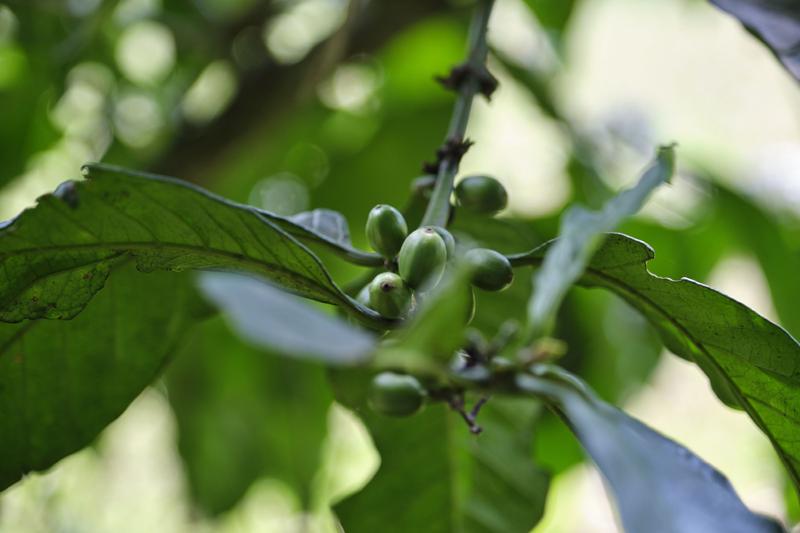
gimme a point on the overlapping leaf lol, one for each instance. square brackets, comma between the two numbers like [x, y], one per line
[271, 319]
[63, 381]
[659, 486]
[444, 479]
[243, 414]
[56, 256]
[580, 235]
[751, 362]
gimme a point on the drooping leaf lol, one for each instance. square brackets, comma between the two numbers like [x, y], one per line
[659, 485]
[63, 381]
[444, 479]
[274, 320]
[56, 256]
[244, 414]
[751, 363]
[580, 235]
[774, 22]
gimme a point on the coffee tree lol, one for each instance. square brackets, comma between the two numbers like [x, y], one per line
[96, 296]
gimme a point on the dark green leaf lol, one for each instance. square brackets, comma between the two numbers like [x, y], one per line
[580, 235]
[274, 320]
[775, 22]
[751, 362]
[444, 479]
[56, 256]
[659, 486]
[62, 382]
[244, 414]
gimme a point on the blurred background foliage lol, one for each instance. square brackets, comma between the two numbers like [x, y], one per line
[291, 105]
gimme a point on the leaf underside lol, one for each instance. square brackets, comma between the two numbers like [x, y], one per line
[751, 363]
[62, 382]
[57, 255]
[659, 485]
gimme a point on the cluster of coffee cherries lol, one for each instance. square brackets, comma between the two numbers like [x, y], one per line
[421, 258]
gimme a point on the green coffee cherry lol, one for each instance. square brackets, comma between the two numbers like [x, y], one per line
[422, 258]
[481, 194]
[491, 271]
[386, 230]
[449, 240]
[389, 296]
[395, 394]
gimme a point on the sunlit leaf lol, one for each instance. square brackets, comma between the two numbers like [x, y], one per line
[751, 363]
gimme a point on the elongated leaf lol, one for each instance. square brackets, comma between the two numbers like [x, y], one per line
[775, 22]
[659, 486]
[752, 363]
[271, 319]
[444, 479]
[244, 414]
[56, 256]
[580, 235]
[62, 382]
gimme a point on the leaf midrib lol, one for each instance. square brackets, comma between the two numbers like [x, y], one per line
[740, 395]
[235, 257]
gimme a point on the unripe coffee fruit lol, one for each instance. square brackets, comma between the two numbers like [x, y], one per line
[386, 230]
[491, 271]
[449, 240]
[481, 194]
[389, 295]
[422, 258]
[394, 394]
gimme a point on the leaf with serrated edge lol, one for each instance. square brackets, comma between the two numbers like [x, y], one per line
[751, 363]
[580, 235]
[659, 485]
[57, 255]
